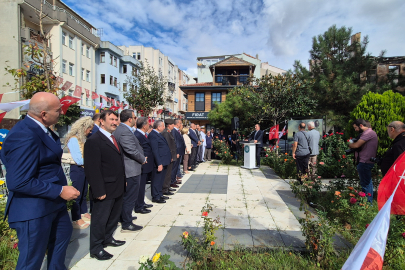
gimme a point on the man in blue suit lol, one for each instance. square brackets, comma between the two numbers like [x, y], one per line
[162, 156]
[96, 120]
[181, 148]
[36, 205]
[142, 126]
[257, 137]
[195, 142]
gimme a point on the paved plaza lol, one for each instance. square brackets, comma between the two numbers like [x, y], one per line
[253, 205]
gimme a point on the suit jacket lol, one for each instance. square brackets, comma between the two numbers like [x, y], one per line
[193, 138]
[104, 167]
[257, 136]
[160, 149]
[147, 151]
[180, 143]
[34, 173]
[132, 150]
[171, 141]
[93, 131]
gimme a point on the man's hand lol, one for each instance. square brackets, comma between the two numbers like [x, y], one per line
[69, 193]
[146, 160]
[255, 141]
[160, 168]
[102, 197]
[293, 156]
[178, 155]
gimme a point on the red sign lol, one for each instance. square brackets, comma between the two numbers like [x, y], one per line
[66, 86]
[78, 91]
[66, 102]
[94, 95]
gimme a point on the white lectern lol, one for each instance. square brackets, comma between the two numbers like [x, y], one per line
[250, 155]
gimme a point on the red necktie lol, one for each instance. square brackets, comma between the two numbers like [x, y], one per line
[115, 142]
[146, 135]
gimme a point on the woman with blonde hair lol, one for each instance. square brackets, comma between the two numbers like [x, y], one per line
[187, 153]
[75, 140]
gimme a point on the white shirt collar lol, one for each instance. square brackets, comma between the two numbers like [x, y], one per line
[39, 124]
[106, 133]
[141, 131]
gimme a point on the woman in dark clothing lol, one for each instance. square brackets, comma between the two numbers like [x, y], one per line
[208, 147]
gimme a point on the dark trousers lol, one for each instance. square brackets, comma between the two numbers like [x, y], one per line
[175, 170]
[130, 197]
[168, 178]
[35, 236]
[302, 165]
[366, 183]
[140, 202]
[79, 182]
[258, 151]
[104, 220]
[193, 156]
[158, 179]
[200, 153]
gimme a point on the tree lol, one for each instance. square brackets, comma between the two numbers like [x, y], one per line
[147, 89]
[380, 110]
[339, 69]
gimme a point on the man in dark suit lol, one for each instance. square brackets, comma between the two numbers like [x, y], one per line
[133, 160]
[195, 142]
[167, 134]
[257, 137]
[142, 127]
[180, 149]
[36, 205]
[96, 120]
[162, 156]
[105, 170]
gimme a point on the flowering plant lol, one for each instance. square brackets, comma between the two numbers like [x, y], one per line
[158, 262]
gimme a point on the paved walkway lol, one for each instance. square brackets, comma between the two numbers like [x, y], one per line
[248, 202]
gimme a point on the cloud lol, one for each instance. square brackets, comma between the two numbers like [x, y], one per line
[279, 31]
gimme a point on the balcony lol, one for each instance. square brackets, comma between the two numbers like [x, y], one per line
[231, 79]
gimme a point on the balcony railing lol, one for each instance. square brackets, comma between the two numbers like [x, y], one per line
[231, 79]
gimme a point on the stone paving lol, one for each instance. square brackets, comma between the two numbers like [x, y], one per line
[248, 202]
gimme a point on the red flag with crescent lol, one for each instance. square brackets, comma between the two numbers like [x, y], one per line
[66, 102]
[2, 116]
[87, 93]
[66, 86]
[94, 95]
[114, 108]
[104, 97]
[113, 102]
[273, 133]
[78, 91]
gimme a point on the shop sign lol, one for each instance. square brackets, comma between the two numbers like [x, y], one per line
[197, 115]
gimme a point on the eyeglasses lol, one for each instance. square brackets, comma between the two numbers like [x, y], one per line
[389, 126]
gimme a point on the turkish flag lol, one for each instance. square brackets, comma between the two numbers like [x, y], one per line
[2, 116]
[387, 186]
[78, 91]
[66, 86]
[121, 105]
[59, 81]
[114, 108]
[125, 105]
[66, 102]
[273, 133]
[94, 95]
[113, 102]
[1, 96]
[87, 93]
[104, 97]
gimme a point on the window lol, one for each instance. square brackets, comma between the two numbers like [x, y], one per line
[111, 80]
[134, 71]
[115, 61]
[215, 98]
[124, 87]
[218, 78]
[82, 74]
[111, 59]
[87, 76]
[199, 101]
[134, 55]
[393, 73]
[64, 66]
[102, 81]
[71, 42]
[71, 66]
[243, 77]
[124, 69]
[102, 57]
[88, 51]
[139, 56]
[115, 82]
[63, 38]
[82, 49]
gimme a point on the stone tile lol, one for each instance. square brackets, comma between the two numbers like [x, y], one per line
[237, 222]
[152, 233]
[170, 210]
[92, 264]
[127, 265]
[236, 212]
[267, 238]
[259, 211]
[163, 221]
[138, 248]
[237, 237]
[125, 236]
[188, 221]
[293, 239]
[235, 204]
[262, 223]
[287, 223]
[217, 203]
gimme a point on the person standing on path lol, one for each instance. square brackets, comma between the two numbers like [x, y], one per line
[300, 152]
[396, 131]
[187, 152]
[105, 170]
[207, 154]
[313, 139]
[76, 139]
[36, 205]
[257, 137]
[181, 148]
[167, 134]
[195, 142]
[133, 161]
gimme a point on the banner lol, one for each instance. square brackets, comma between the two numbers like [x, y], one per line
[66, 86]
[114, 108]
[94, 95]
[273, 133]
[104, 97]
[87, 93]
[59, 81]
[99, 105]
[66, 102]
[78, 91]
[12, 105]
[2, 116]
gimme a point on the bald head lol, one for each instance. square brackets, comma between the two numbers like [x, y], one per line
[395, 128]
[45, 107]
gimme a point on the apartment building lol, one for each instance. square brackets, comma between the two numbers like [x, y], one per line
[73, 42]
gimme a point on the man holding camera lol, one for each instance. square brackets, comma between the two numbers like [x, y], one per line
[396, 131]
[368, 142]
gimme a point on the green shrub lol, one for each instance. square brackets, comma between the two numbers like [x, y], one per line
[223, 151]
[380, 110]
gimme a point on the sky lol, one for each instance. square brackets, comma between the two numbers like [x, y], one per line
[279, 32]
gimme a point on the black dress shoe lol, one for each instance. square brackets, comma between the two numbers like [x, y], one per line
[102, 255]
[164, 197]
[143, 211]
[133, 218]
[159, 201]
[174, 185]
[114, 243]
[148, 182]
[131, 228]
[148, 205]
[192, 169]
[168, 193]
[172, 189]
